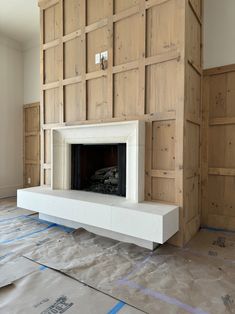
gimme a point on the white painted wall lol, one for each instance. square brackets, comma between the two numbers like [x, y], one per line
[219, 33]
[11, 117]
[31, 55]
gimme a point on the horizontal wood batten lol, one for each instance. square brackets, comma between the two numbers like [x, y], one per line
[164, 57]
[51, 85]
[126, 13]
[45, 4]
[222, 171]
[97, 74]
[71, 36]
[222, 121]
[32, 162]
[163, 116]
[96, 25]
[31, 133]
[169, 174]
[51, 44]
[126, 67]
[219, 70]
[152, 3]
[72, 80]
[50, 126]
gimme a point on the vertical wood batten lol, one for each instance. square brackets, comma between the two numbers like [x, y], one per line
[110, 61]
[42, 118]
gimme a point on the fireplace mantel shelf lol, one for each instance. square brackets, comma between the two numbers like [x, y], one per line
[153, 222]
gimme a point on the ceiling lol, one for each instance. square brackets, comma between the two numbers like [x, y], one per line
[19, 19]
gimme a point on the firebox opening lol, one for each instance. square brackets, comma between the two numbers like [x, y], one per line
[99, 168]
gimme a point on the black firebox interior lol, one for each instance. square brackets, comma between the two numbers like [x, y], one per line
[99, 168]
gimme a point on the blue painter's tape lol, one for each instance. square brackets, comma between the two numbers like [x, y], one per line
[42, 267]
[117, 308]
[27, 235]
[65, 229]
[162, 297]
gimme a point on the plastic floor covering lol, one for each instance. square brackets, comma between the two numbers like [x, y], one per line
[47, 269]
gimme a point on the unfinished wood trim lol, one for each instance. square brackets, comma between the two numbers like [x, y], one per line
[148, 161]
[45, 4]
[142, 51]
[196, 68]
[84, 61]
[126, 13]
[51, 44]
[72, 80]
[151, 3]
[195, 12]
[222, 121]
[50, 126]
[164, 57]
[97, 74]
[30, 133]
[169, 174]
[96, 25]
[204, 150]
[42, 118]
[71, 36]
[125, 67]
[163, 116]
[32, 162]
[61, 62]
[219, 70]
[35, 104]
[51, 85]
[222, 171]
[110, 62]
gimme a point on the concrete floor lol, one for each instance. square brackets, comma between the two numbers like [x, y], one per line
[46, 268]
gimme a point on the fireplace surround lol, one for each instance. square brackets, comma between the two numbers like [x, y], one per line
[123, 216]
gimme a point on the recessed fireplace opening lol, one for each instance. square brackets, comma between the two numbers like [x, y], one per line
[99, 168]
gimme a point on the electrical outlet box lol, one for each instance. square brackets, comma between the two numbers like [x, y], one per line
[104, 55]
[97, 58]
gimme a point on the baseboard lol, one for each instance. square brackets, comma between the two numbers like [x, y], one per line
[9, 191]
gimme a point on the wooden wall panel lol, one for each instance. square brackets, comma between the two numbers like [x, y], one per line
[97, 106]
[126, 89]
[31, 158]
[126, 40]
[97, 41]
[51, 106]
[72, 16]
[194, 37]
[163, 190]
[47, 151]
[218, 201]
[144, 78]
[121, 5]
[163, 28]
[51, 68]
[193, 79]
[97, 10]
[72, 58]
[72, 103]
[161, 94]
[52, 23]
[163, 143]
[221, 146]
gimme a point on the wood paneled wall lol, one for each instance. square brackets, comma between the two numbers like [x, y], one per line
[154, 62]
[218, 161]
[31, 145]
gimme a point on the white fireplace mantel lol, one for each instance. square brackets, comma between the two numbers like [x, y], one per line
[132, 133]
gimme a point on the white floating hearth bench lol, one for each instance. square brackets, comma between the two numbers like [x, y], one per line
[129, 218]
